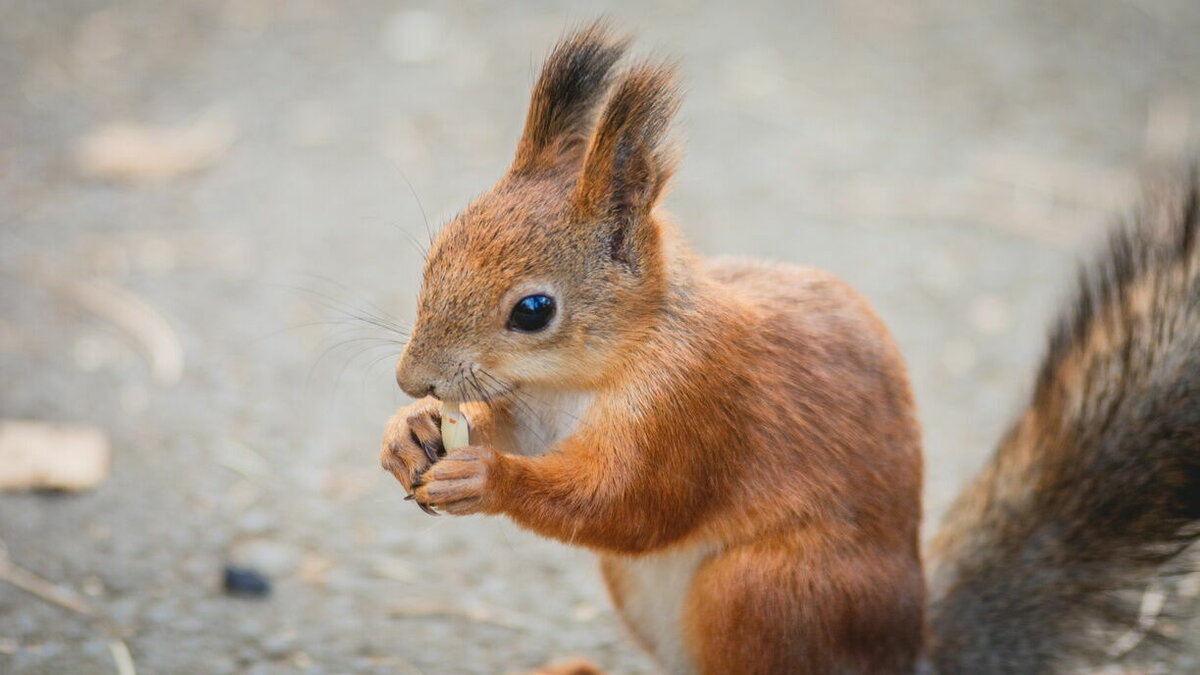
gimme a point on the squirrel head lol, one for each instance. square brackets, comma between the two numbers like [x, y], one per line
[547, 277]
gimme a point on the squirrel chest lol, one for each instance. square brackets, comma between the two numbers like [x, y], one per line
[546, 418]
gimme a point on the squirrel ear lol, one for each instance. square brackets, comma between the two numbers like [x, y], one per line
[630, 158]
[569, 90]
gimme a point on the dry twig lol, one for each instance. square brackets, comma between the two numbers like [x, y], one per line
[473, 615]
[37, 586]
[122, 657]
[136, 317]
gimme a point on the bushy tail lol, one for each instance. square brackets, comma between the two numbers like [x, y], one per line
[1095, 491]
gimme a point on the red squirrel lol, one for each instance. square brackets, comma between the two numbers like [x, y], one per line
[737, 440]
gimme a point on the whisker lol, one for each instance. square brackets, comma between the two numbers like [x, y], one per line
[310, 324]
[417, 198]
[510, 393]
[370, 366]
[413, 241]
[379, 342]
[477, 393]
[346, 366]
[384, 322]
[459, 384]
[329, 280]
[357, 355]
[507, 392]
[484, 392]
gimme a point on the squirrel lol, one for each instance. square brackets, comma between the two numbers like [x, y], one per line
[737, 440]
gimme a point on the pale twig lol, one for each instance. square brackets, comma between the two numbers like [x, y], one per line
[65, 598]
[37, 586]
[122, 657]
[472, 615]
[138, 318]
[1149, 611]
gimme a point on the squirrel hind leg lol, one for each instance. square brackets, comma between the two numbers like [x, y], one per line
[779, 608]
[572, 667]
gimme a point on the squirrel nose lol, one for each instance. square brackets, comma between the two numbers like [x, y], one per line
[411, 385]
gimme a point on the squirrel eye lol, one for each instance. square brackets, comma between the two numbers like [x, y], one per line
[531, 313]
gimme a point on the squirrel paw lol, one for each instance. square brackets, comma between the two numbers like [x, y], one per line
[459, 483]
[412, 442]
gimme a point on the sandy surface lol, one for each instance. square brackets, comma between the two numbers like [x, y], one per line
[951, 159]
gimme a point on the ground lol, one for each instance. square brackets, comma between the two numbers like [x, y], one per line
[952, 160]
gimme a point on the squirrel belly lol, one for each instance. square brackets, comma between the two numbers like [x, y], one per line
[649, 592]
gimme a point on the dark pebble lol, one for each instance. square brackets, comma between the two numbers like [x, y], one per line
[245, 582]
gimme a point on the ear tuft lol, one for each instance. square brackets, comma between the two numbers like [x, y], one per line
[631, 158]
[569, 90]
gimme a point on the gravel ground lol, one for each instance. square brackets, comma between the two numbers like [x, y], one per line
[950, 159]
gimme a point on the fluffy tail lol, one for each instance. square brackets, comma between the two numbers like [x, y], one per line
[1095, 491]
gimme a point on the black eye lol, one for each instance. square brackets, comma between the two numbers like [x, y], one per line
[531, 313]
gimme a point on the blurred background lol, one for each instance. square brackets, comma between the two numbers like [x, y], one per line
[210, 214]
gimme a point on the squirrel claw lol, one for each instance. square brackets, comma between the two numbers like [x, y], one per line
[412, 497]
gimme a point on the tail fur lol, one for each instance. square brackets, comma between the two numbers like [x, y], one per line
[1095, 491]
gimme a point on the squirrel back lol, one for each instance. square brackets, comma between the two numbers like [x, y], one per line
[1095, 490]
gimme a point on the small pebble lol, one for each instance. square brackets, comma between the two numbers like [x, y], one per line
[245, 582]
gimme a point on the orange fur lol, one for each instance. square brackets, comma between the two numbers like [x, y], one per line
[735, 439]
